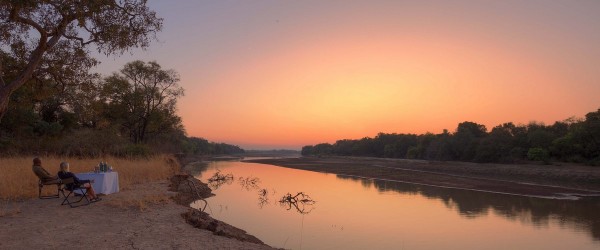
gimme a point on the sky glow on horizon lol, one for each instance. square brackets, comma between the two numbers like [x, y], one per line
[284, 74]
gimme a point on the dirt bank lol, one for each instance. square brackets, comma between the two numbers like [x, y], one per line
[546, 181]
[141, 217]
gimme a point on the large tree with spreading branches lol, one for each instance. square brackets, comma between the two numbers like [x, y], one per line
[49, 32]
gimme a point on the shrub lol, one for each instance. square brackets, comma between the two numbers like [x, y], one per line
[538, 154]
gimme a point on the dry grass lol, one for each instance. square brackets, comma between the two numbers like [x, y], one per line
[18, 181]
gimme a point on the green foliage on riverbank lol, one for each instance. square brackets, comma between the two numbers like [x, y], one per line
[572, 140]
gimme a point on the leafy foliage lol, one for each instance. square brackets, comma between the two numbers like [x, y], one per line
[143, 98]
[58, 106]
[50, 39]
[572, 140]
[127, 114]
[538, 154]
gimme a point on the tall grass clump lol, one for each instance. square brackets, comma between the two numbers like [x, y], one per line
[17, 180]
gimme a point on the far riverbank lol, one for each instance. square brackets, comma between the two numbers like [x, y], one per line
[544, 181]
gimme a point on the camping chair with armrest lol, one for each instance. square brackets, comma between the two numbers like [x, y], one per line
[42, 183]
[69, 185]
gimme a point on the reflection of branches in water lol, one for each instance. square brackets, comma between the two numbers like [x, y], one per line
[263, 197]
[301, 202]
[218, 179]
[249, 183]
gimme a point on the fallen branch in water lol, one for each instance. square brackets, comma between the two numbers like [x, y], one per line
[300, 202]
[249, 183]
[218, 179]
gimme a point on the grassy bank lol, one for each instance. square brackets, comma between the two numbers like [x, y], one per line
[19, 182]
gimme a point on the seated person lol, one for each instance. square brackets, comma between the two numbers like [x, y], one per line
[41, 173]
[64, 174]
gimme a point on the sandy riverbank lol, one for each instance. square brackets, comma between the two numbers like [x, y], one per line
[545, 181]
[141, 217]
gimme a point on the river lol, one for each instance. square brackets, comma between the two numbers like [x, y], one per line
[297, 209]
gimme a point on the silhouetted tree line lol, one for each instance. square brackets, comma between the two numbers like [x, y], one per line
[572, 140]
[200, 146]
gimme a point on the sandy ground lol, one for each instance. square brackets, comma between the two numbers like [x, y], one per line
[544, 181]
[143, 217]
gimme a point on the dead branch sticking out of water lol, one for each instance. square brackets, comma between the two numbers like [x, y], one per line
[218, 179]
[249, 183]
[301, 202]
[263, 197]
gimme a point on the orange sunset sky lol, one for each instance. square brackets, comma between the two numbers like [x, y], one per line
[284, 74]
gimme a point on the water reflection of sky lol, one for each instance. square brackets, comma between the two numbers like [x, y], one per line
[581, 215]
[354, 213]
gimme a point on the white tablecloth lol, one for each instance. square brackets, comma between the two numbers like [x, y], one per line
[104, 183]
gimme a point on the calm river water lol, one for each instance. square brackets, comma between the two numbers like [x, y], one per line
[351, 213]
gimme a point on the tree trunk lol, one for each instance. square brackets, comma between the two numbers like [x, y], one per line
[5, 92]
[4, 97]
[33, 62]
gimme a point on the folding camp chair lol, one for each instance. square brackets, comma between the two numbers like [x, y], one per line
[68, 185]
[42, 183]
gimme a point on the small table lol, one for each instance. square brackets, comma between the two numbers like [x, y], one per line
[104, 183]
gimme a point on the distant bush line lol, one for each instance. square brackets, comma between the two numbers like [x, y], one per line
[572, 140]
[85, 142]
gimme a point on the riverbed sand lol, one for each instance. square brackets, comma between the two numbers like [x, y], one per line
[141, 217]
[535, 180]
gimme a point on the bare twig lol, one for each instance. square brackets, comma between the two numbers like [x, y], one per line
[263, 197]
[218, 179]
[249, 183]
[301, 202]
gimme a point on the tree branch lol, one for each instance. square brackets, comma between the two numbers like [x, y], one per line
[37, 55]
[81, 40]
[16, 18]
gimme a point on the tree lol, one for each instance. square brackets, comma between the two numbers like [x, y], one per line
[343, 147]
[590, 136]
[497, 146]
[466, 140]
[323, 149]
[423, 143]
[144, 98]
[308, 150]
[38, 32]
[540, 135]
